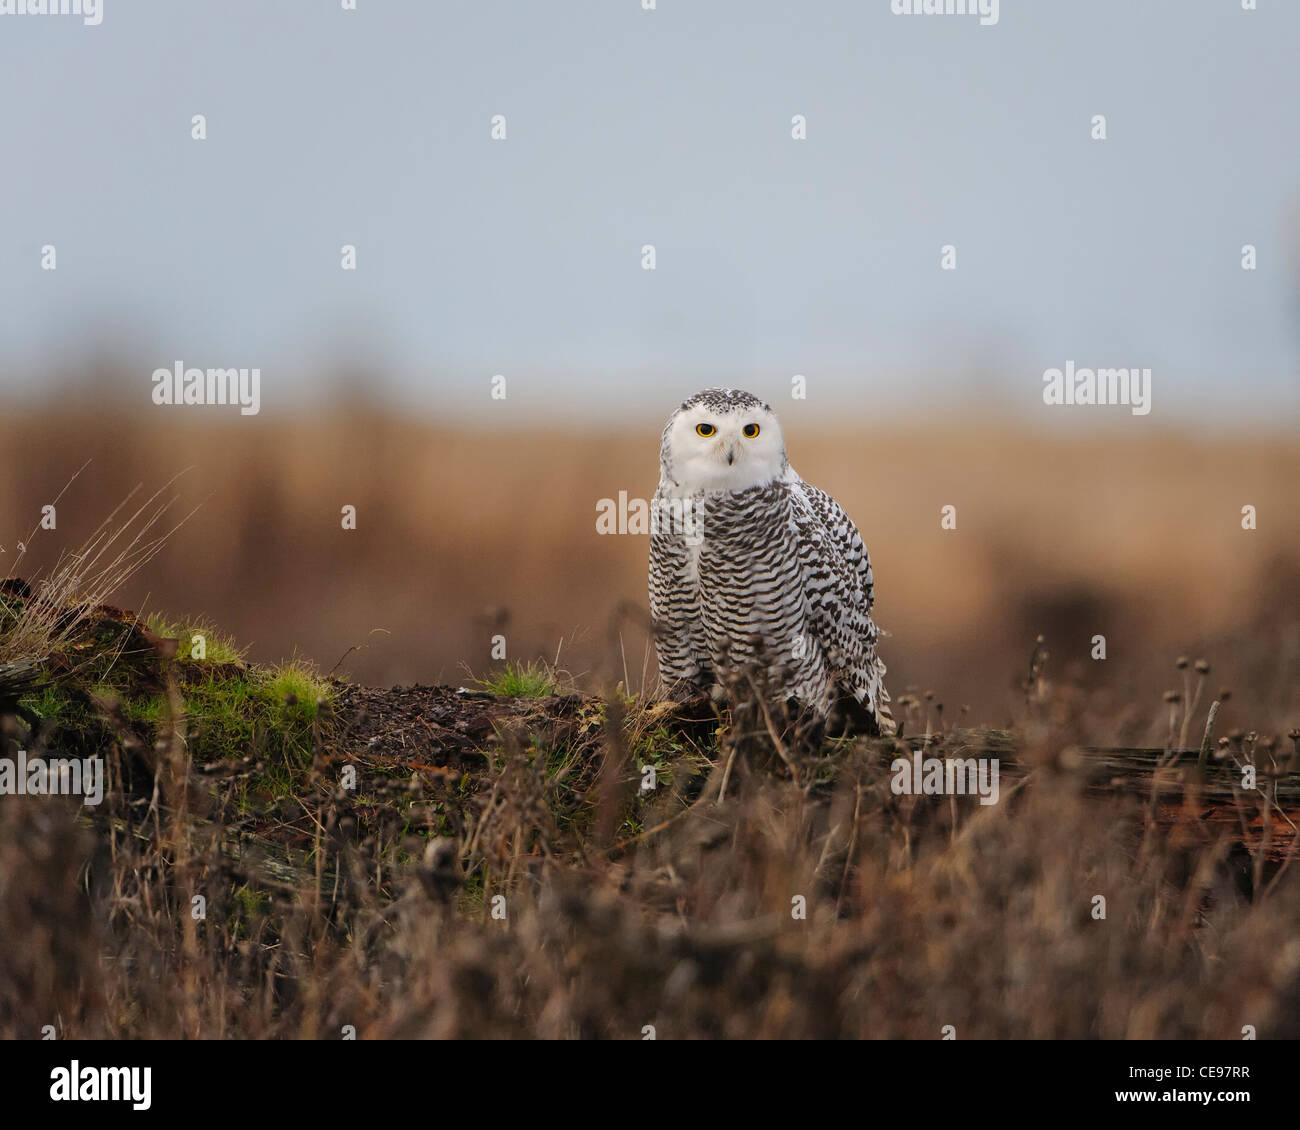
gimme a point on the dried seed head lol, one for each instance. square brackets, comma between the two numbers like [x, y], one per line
[1202, 667]
[1173, 696]
[1181, 663]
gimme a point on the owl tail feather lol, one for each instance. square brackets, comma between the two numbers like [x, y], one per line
[866, 710]
[884, 716]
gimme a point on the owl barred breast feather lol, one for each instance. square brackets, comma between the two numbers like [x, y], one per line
[750, 565]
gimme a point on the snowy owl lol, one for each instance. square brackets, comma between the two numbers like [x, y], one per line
[750, 565]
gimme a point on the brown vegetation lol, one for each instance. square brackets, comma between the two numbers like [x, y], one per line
[466, 530]
[498, 870]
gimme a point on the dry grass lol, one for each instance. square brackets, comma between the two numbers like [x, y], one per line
[56, 604]
[441, 912]
[545, 896]
[672, 910]
[466, 531]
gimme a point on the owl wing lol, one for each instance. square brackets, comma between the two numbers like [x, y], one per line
[840, 591]
[675, 599]
[844, 536]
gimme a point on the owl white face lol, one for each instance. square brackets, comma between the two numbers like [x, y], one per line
[723, 447]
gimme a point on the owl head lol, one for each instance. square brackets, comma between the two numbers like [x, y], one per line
[721, 439]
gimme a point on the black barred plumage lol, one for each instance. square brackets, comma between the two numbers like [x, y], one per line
[749, 564]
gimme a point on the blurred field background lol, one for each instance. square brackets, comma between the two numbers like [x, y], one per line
[465, 530]
[776, 256]
[367, 139]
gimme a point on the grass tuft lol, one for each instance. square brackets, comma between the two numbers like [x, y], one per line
[198, 641]
[534, 679]
[54, 609]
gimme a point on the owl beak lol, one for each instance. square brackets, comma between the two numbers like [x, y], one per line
[731, 455]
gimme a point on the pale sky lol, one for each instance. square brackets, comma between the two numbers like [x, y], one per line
[671, 127]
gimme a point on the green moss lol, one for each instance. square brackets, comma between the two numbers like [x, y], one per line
[295, 692]
[222, 715]
[232, 710]
[51, 702]
[150, 709]
[535, 679]
[272, 712]
[198, 640]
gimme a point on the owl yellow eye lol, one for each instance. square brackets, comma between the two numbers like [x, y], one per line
[749, 431]
[705, 430]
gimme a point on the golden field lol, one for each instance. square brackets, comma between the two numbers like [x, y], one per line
[464, 531]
